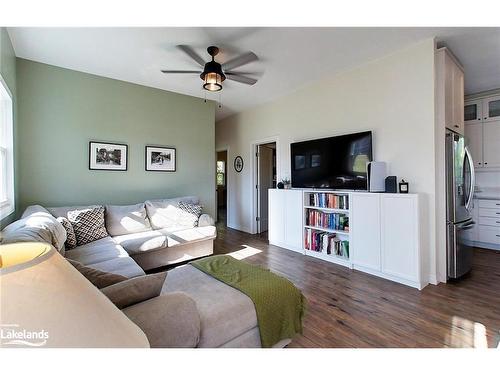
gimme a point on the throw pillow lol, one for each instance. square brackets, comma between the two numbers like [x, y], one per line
[70, 233]
[88, 224]
[135, 290]
[193, 209]
[97, 277]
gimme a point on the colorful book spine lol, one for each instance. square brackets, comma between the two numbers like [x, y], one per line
[329, 200]
[326, 243]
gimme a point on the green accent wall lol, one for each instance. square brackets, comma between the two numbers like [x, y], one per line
[61, 110]
[8, 72]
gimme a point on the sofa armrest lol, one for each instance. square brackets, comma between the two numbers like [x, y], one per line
[169, 321]
[205, 220]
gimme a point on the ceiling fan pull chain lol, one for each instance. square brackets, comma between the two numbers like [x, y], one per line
[220, 99]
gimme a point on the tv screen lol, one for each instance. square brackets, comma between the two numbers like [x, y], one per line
[332, 163]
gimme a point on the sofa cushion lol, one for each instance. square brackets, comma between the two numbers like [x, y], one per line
[97, 251]
[88, 224]
[165, 213]
[99, 278]
[169, 321]
[183, 236]
[124, 266]
[70, 233]
[126, 219]
[138, 289]
[137, 243]
[38, 226]
[225, 312]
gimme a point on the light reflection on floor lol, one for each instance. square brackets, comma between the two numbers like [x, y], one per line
[465, 333]
[248, 251]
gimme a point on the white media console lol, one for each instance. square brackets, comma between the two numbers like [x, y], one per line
[377, 233]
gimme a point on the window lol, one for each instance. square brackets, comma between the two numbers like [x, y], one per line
[221, 173]
[6, 152]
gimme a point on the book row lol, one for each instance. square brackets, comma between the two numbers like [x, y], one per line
[326, 243]
[327, 220]
[329, 200]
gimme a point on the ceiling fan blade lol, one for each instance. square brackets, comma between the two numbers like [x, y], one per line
[191, 53]
[239, 78]
[244, 59]
[182, 71]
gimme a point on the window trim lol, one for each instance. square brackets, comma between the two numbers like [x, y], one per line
[7, 206]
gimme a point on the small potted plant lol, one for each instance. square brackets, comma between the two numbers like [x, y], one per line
[286, 183]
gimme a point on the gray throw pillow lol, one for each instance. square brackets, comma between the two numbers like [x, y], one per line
[88, 224]
[70, 233]
[135, 290]
[97, 277]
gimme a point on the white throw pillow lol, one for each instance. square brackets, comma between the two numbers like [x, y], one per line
[167, 214]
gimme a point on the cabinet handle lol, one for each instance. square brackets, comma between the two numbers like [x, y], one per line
[485, 163]
[456, 126]
[498, 235]
[485, 118]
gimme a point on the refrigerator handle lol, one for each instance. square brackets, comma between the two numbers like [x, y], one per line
[472, 178]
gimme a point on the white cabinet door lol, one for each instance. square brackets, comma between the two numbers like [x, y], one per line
[491, 144]
[364, 224]
[491, 108]
[458, 99]
[473, 112]
[276, 225]
[474, 139]
[293, 219]
[399, 236]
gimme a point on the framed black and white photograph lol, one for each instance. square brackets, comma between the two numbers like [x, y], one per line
[108, 156]
[160, 159]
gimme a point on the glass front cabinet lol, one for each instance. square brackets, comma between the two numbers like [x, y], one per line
[473, 112]
[491, 108]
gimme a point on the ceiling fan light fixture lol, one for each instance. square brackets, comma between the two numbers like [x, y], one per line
[213, 81]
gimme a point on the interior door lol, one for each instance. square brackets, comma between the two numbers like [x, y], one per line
[265, 182]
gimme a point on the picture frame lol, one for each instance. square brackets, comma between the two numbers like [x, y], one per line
[160, 159]
[238, 164]
[108, 156]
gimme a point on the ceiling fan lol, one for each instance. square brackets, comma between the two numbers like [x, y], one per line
[214, 73]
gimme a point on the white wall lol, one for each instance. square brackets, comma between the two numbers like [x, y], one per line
[392, 96]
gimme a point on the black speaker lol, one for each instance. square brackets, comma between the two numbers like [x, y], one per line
[391, 185]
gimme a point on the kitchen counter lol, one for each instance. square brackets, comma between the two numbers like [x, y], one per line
[488, 193]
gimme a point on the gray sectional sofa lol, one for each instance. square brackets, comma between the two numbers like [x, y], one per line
[193, 310]
[143, 236]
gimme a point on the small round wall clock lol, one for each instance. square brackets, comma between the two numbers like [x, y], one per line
[238, 164]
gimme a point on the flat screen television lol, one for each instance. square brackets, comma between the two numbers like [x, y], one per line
[332, 163]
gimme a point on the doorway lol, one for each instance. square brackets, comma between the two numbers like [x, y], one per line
[221, 180]
[266, 179]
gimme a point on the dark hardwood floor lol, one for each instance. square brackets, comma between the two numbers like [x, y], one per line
[348, 308]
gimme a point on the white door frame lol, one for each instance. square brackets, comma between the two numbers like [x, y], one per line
[253, 179]
[219, 149]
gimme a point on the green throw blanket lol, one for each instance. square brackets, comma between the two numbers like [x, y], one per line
[278, 303]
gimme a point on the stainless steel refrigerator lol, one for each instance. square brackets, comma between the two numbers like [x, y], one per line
[460, 180]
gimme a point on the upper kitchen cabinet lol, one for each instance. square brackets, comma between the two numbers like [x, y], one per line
[491, 144]
[450, 89]
[491, 108]
[473, 112]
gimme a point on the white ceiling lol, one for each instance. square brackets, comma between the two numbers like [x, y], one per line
[289, 57]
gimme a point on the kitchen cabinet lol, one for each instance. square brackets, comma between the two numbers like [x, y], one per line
[474, 140]
[491, 108]
[491, 144]
[450, 90]
[473, 112]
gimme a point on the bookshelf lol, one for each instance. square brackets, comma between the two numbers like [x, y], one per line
[326, 231]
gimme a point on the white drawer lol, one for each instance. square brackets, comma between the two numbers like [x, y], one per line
[489, 212]
[489, 203]
[491, 221]
[489, 234]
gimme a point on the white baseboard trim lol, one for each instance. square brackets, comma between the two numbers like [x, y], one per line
[413, 284]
